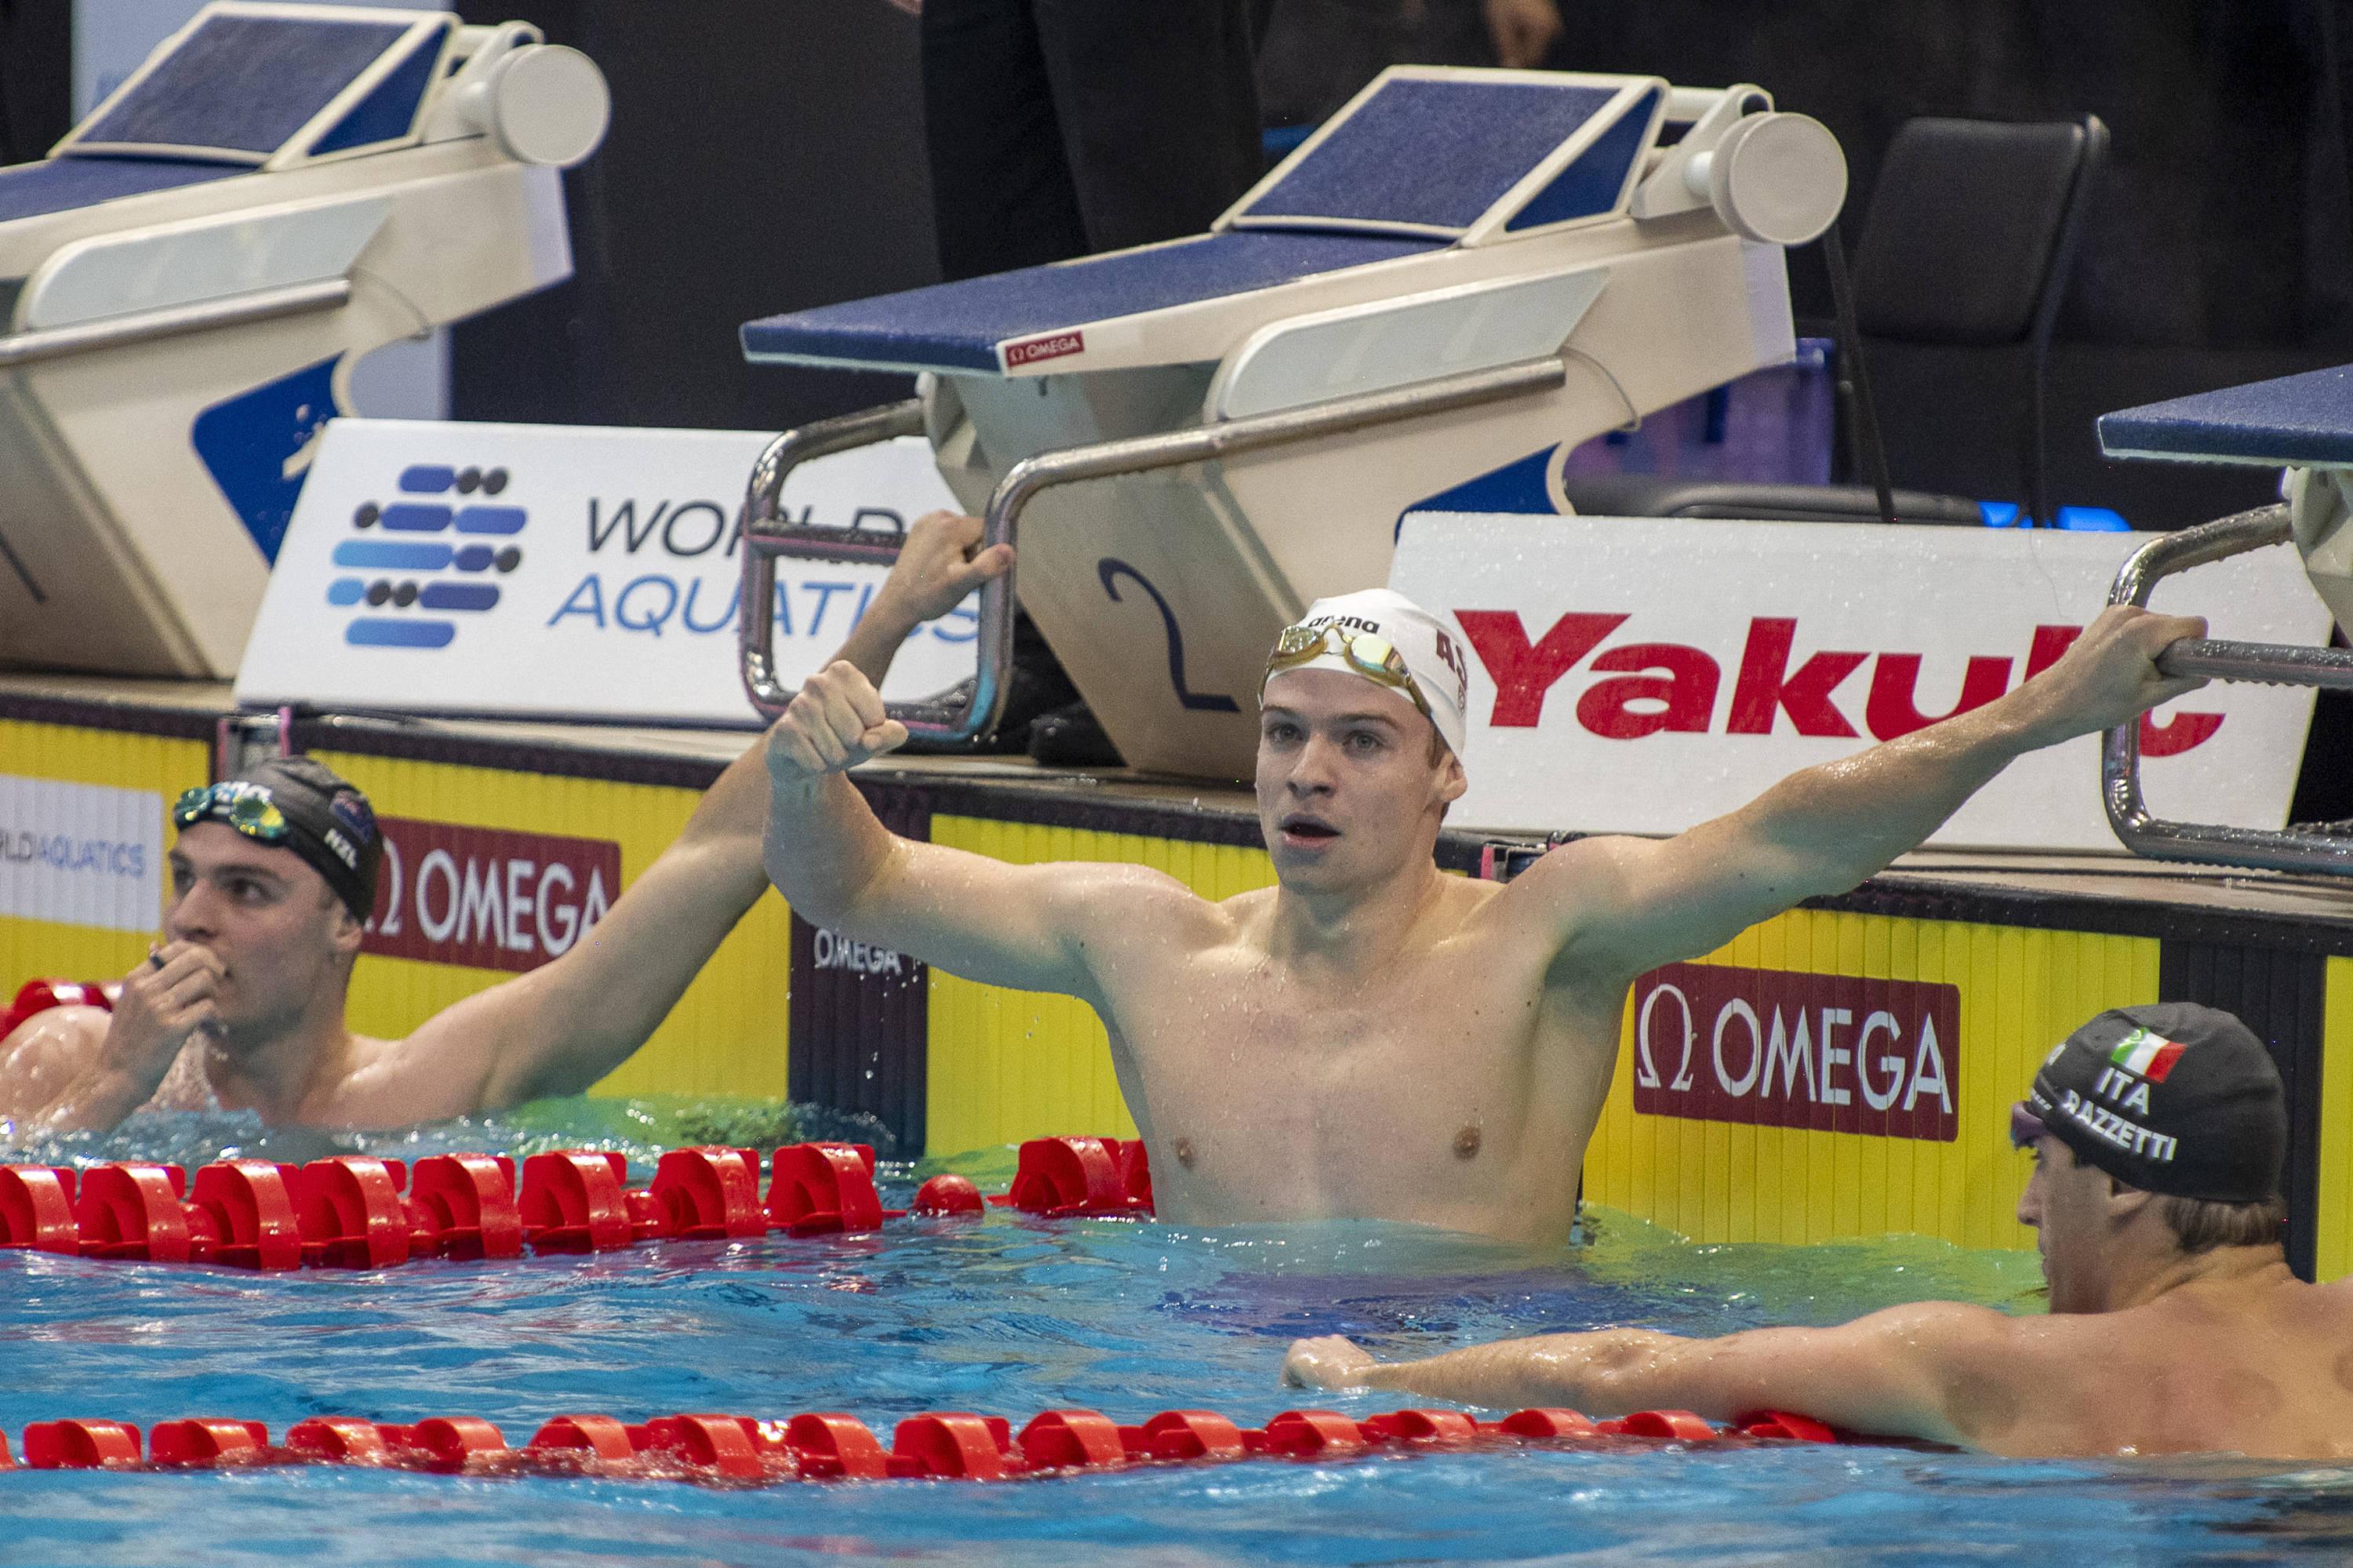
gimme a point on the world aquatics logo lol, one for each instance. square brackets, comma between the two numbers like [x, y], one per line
[442, 522]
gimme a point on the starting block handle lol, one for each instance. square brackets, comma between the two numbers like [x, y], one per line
[766, 536]
[2269, 663]
[938, 718]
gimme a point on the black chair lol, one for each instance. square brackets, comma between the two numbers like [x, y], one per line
[1968, 244]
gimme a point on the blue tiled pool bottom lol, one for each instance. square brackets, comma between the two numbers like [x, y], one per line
[1012, 1316]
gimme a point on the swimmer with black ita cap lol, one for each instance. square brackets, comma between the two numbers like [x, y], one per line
[241, 1005]
[1369, 1037]
[2158, 1134]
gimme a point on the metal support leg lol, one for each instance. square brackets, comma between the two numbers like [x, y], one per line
[2267, 664]
[765, 536]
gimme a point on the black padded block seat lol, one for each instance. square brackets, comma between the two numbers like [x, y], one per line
[1967, 243]
[1650, 495]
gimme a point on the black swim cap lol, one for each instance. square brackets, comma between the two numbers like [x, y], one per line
[329, 822]
[2169, 1098]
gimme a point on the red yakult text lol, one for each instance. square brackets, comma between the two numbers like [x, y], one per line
[1653, 687]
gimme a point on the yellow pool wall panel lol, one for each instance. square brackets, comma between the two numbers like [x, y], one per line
[2021, 990]
[117, 759]
[2332, 1252]
[1005, 1066]
[727, 1035]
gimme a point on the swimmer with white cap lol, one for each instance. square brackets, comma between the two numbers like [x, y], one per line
[1369, 1037]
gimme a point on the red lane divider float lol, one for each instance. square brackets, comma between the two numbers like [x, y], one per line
[358, 1211]
[830, 1445]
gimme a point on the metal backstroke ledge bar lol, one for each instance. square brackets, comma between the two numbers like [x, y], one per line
[2264, 662]
[941, 718]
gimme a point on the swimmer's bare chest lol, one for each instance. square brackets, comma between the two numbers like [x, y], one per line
[1452, 1088]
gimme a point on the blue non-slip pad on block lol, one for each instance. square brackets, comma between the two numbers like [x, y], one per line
[2304, 419]
[245, 84]
[957, 326]
[389, 111]
[1437, 154]
[61, 185]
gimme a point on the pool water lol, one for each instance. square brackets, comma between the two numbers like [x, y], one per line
[1011, 1316]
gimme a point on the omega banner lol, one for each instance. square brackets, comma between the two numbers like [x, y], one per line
[1785, 1048]
[568, 571]
[1640, 675]
[485, 897]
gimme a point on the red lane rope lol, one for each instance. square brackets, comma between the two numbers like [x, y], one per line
[830, 1445]
[359, 1212]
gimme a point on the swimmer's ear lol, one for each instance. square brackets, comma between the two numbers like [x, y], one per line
[2126, 1202]
[344, 932]
[1452, 781]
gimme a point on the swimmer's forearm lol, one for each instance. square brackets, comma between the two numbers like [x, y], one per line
[876, 638]
[97, 1103]
[1828, 827]
[1605, 1373]
[824, 848]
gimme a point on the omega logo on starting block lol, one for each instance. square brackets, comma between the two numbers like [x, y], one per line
[1787, 1048]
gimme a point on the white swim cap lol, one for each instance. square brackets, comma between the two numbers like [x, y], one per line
[1431, 658]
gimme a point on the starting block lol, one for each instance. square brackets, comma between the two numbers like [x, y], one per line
[196, 268]
[1427, 306]
[2305, 425]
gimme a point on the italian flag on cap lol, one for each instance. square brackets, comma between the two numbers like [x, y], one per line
[2151, 1055]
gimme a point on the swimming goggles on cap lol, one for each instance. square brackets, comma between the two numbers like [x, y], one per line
[1367, 653]
[245, 807]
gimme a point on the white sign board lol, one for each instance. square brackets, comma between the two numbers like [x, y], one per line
[82, 854]
[1640, 675]
[568, 571]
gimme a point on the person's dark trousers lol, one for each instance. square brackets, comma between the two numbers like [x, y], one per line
[1057, 128]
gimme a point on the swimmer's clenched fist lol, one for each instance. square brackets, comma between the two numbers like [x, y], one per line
[836, 723]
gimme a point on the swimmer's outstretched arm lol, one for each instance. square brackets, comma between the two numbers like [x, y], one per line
[560, 1028]
[1622, 905]
[1937, 1370]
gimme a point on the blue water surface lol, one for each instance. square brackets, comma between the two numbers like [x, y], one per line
[1012, 1316]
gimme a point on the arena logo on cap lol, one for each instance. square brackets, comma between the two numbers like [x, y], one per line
[400, 540]
[1790, 1048]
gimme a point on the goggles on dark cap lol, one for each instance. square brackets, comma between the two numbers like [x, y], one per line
[2026, 1129]
[248, 808]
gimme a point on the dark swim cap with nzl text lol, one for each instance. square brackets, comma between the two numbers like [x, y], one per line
[328, 823]
[2169, 1098]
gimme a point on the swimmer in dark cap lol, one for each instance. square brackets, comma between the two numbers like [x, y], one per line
[241, 1004]
[2158, 1134]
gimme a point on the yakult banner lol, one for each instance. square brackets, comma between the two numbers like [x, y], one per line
[568, 571]
[1640, 675]
[81, 854]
